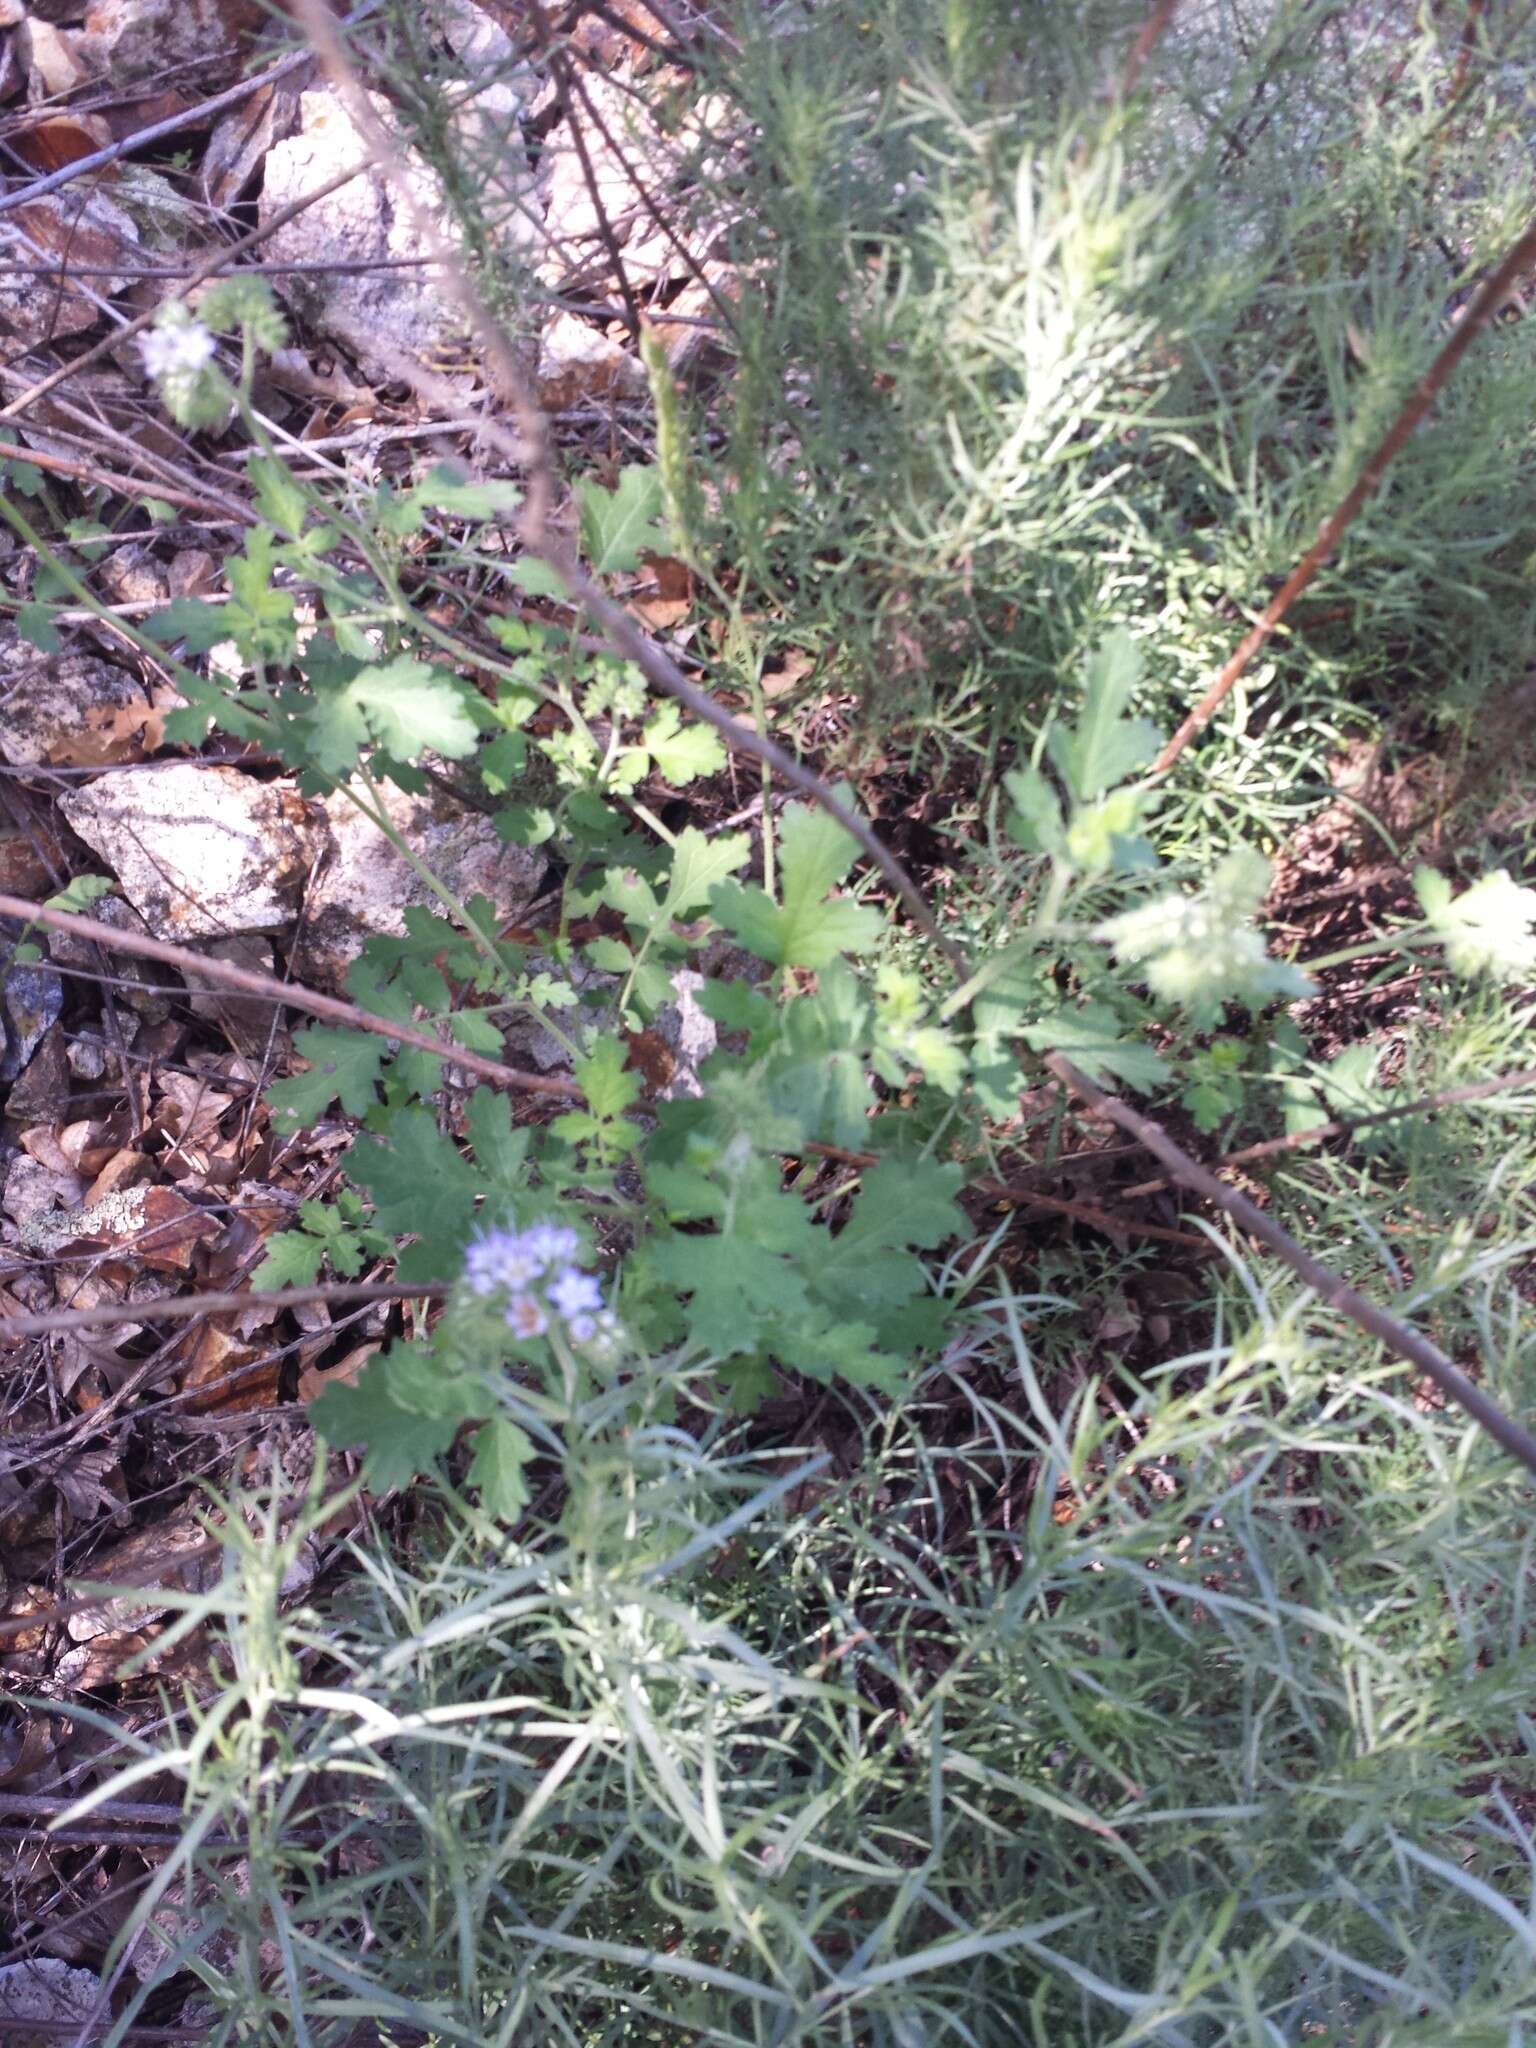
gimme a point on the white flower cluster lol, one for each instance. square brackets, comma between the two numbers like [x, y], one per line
[176, 351]
[1203, 951]
[179, 354]
[534, 1269]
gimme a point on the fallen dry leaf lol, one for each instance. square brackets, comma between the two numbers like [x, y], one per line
[313, 1383]
[124, 1169]
[62, 140]
[156, 1229]
[223, 1372]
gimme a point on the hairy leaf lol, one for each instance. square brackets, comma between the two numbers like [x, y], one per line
[1092, 1038]
[1487, 929]
[1104, 747]
[1202, 952]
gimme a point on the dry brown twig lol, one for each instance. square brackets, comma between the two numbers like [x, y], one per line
[1490, 297]
[249, 982]
[156, 131]
[1330, 1289]
[1346, 1127]
[1153, 29]
[126, 486]
[182, 1308]
[212, 266]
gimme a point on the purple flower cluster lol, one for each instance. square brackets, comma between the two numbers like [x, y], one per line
[534, 1268]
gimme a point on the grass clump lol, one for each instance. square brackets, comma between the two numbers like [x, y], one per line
[1176, 1710]
[1022, 362]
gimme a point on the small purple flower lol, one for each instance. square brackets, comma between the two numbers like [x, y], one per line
[573, 1293]
[501, 1260]
[582, 1328]
[525, 1317]
[551, 1243]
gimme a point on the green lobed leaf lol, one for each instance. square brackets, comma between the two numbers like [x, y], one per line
[279, 496]
[81, 893]
[34, 623]
[1091, 1037]
[610, 1089]
[806, 927]
[421, 1186]
[499, 1468]
[293, 1259]
[682, 753]
[869, 1265]
[501, 1148]
[397, 1441]
[341, 1063]
[403, 706]
[620, 527]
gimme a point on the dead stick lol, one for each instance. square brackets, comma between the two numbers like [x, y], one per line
[1489, 298]
[1028, 1198]
[1334, 1292]
[126, 486]
[220, 260]
[1346, 1127]
[250, 982]
[1094, 1217]
[1152, 32]
[184, 1308]
[173, 124]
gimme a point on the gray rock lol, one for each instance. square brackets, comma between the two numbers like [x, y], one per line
[132, 38]
[68, 710]
[44, 1988]
[89, 232]
[362, 884]
[379, 315]
[579, 363]
[201, 852]
[31, 998]
[33, 1193]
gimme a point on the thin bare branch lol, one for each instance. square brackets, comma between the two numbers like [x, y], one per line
[212, 266]
[1346, 1127]
[134, 487]
[186, 1308]
[1153, 29]
[173, 124]
[1333, 1291]
[567, 87]
[1030, 1198]
[250, 982]
[1088, 1212]
[1492, 295]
